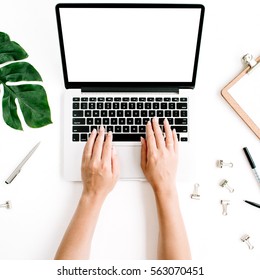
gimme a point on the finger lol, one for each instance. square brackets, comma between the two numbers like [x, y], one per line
[87, 153]
[115, 163]
[168, 134]
[143, 153]
[98, 146]
[158, 133]
[175, 140]
[107, 148]
[151, 144]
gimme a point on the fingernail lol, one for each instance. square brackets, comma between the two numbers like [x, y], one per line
[142, 140]
[148, 123]
[155, 119]
[166, 120]
[110, 133]
[94, 131]
[101, 128]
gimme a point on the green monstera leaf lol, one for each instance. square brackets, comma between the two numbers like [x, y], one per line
[31, 97]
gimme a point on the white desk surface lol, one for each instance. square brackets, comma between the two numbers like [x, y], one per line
[43, 203]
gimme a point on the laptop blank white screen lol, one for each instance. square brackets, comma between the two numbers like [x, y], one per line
[130, 45]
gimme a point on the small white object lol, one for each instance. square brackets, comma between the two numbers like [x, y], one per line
[195, 194]
[245, 238]
[221, 164]
[6, 205]
[224, 184]
[225, 203]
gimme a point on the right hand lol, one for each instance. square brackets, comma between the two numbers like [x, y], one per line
[159, 157]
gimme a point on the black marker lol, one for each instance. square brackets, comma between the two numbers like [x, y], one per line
[252, 164]
[252, 203]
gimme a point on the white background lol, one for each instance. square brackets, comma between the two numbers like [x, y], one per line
[43, 202]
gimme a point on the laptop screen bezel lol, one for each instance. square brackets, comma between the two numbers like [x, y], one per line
[129, 86]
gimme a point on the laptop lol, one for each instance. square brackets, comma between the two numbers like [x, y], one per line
[124, 64]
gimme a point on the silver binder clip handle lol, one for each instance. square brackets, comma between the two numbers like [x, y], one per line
[224, 184]
[249, 60]
[221, 164]
[195, 194]
[225, 203]
[245, 238]
[6, 205]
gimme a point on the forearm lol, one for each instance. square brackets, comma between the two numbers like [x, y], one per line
[76, 242]
[173, 242]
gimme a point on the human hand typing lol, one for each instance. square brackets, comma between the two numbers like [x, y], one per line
[100, 164]
[159, 157]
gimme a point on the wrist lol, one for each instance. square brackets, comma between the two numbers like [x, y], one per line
[165, 192]
[96, 198]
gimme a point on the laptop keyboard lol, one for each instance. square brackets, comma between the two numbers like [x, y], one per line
[127, 117]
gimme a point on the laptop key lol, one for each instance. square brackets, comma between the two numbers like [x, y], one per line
[128, 113]
[112, 113]
[135, 113]
[171, 105]
[75, 105]
[80, 129]
[114, 121]
[128, 137]
[108, 106]
[125, 128]
[103, 113]
[78, 121]
[75, 98]
[121, 121]
[98, 121]
[180, 128]
[129, 121]
[131, 105]
[92, 105]
[88, 114]
[138, 121]
[181, 121]
[184, 113]
[120, 113]
[182, 105]
[89, 121]
[151, 114]
[100, 106]
[155, 105]
[134, 128]
[148, 106]
[75, 137]
[143, 113]
[175, 114]
[95, 113]
[84, 105]
[115, 106]
[83, 137]
[77, 113]
[118, 129]
[106, 121]
[123, 106]
[110, 128]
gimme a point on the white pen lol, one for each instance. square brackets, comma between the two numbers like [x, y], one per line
[20, 165]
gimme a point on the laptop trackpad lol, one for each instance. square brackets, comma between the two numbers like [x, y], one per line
[130, 162]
